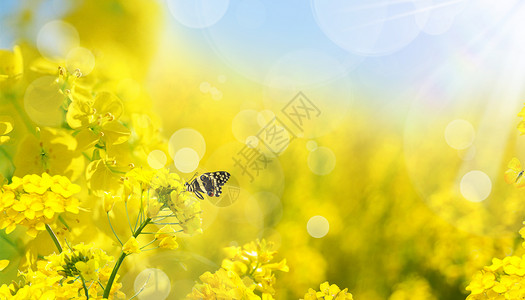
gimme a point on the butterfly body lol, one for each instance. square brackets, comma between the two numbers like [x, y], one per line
[209, 184]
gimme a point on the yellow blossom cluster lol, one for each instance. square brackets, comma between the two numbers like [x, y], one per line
[77, 273]
[503, 279]
[162, 191]
[244, 270]
[34, 201]
[328, 291]
[255, 260]
[223, 284]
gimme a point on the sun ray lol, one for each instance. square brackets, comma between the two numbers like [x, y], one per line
[403, 15]
[497, 31]
[382, 4]
[500, 110]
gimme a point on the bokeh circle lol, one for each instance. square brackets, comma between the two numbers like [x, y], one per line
[56, 39]
[198, 13]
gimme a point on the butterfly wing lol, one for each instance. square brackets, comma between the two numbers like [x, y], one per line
[207, 183]
[220, 177]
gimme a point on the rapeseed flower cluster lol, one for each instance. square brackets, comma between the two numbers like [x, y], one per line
[503, 279]
[328, 291]
[245, 270]
[222, 284]
[163, 197]
[34, 201]
[79, 272]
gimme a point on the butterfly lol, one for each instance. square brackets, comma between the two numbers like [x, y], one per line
[514, 175]
[209, 183]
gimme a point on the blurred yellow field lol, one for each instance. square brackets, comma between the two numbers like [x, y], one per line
[254, 150]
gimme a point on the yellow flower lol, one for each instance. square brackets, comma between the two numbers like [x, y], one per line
[53, 152]
[514, 173]
[11, 64]
[6, 126]
[146, 136]
[131, 246]
[109, 201]
[65, 276]
[163, 180]
[88, 270]
[254, 260]
[222, 284]
[187, 210]
[3, 264]
[328, 291]
[97, 121]
[104, 176]
[169, 243]
[33, 201]
[153, 207]
[481, 282]
[166, 237]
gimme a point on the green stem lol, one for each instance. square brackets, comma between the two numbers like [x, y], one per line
[11, 168]
[87, 156]
[85, 287]
[152, 241]
[109, 221]
[54, 238]
[127, 215]
[63, 222]
[107, 290]
[164, 223]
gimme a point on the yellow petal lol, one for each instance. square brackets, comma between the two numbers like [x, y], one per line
[11, 63]
[10, 228]
[6, 124]
[108, 103]
[109, 201]
[101, 179]
[49, 213]
[514, 164]
[131, 246]
[79, 113]
[30, 214]
[40, 226]
[42, 65]
[86, 139]
[49, 295]
[115, 133]
[32, 232]
[3, 264]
